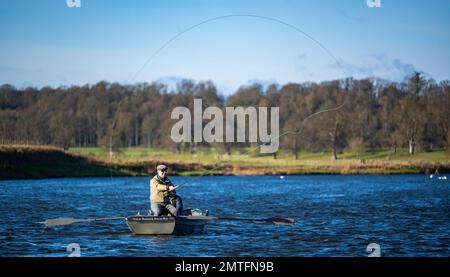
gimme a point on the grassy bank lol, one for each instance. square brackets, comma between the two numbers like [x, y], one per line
[23, 162]
[35, 162]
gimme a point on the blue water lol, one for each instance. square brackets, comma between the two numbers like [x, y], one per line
[406, 215]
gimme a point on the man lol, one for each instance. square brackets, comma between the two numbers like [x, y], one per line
[163, 198]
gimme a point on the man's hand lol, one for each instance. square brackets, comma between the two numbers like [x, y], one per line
[171, 188]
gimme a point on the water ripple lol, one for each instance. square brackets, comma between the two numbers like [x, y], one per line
[407, 215]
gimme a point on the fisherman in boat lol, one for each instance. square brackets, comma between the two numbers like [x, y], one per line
[163, 197]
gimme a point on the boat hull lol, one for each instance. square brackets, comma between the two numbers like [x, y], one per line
[165, 225]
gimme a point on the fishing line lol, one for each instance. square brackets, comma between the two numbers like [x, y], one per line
[298, 30]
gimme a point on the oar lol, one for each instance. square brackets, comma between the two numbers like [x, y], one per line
[67, 221]
[274, 220]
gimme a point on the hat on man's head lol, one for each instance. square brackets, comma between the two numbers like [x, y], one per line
[162, 167]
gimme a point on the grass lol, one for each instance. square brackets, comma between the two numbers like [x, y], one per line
[247, 162]
[20, 162]
[25, 162]
[251, 158]
[132, 152]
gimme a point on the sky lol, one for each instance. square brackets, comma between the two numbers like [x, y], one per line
[229, 42]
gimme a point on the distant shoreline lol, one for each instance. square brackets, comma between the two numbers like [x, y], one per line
[39, 162]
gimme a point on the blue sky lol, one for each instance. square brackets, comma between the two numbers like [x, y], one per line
[47, 43]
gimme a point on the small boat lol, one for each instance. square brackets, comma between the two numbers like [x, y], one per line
[191, 221]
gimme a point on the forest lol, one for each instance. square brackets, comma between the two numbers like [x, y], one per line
[358, 115]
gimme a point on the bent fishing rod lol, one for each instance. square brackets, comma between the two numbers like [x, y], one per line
[295, 132]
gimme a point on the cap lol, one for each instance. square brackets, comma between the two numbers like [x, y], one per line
[161, 167]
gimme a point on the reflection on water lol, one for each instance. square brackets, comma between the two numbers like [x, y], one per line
[406, 215]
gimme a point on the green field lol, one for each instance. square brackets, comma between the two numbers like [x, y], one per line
[249, 156]
[29, 161]
[249, 162]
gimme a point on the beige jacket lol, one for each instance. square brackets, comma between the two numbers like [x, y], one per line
[157, 189]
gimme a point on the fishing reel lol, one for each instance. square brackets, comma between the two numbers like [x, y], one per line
[172, 195]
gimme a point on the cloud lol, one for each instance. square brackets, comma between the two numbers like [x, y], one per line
[379, 65]
[352, 69]
[265, 83]
[171, 82]
[170, 79]
[4, 68]
[404, 67]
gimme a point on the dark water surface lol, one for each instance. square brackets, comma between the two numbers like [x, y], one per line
[407, 215]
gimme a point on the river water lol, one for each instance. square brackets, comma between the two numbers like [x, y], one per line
[405, 215]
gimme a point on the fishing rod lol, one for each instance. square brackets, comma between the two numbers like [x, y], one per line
[297, 132]
[283, 134]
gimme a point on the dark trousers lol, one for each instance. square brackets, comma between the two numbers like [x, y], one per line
[159, 209]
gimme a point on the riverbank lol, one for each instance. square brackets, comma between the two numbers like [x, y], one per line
[34, 162]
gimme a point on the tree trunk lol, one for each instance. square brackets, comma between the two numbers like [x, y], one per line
[228, 149]
[136, 134]
[411, 146]
[333, 135]
[110, 147]
[334, 155]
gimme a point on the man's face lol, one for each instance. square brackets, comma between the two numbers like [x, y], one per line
[162, 173]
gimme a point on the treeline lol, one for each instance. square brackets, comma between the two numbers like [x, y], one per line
[358, 115]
